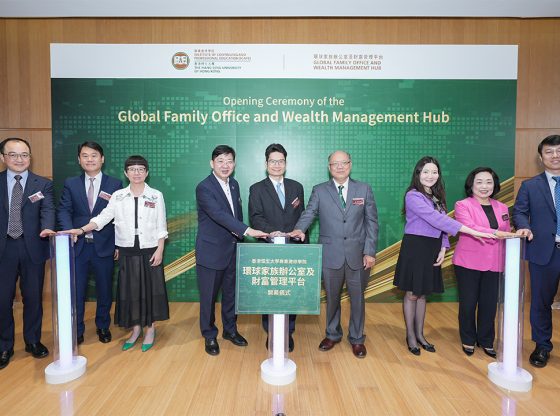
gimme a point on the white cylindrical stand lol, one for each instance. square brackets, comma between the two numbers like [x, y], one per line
[507, 372]
[67, 364]
[278, 370]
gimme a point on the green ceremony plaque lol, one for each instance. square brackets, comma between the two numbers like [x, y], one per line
[278, 279]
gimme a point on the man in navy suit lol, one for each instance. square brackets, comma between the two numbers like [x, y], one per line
[220, 227]
[84, 197]
[536, 214]
[275, 204]
[27, 217]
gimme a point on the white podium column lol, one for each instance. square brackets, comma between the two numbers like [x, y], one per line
[67, 365]
[507, 372]
[278, 370]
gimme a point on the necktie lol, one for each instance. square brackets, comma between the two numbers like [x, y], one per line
[15, 227]
[90, 192]
[556, 202]
[342, 201]
[280, 194]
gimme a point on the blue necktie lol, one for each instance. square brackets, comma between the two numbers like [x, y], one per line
[280, 194]
[557, 202]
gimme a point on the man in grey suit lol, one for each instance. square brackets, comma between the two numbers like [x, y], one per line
[348, 232]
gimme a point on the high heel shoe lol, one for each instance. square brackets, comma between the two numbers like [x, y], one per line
[128, 345]
[468, 349]
[146, 347]
[427, 346]
[489, 351]
[414, 350]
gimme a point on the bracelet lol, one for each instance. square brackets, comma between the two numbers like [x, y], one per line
[83, 232]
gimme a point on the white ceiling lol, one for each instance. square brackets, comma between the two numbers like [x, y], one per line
[285, 8]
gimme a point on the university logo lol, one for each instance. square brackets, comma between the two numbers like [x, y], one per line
[180, 60]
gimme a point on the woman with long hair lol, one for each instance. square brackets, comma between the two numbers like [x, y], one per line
[423, 247]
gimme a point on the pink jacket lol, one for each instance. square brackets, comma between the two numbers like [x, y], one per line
[472, 253]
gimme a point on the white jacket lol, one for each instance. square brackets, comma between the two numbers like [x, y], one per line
[152, 224]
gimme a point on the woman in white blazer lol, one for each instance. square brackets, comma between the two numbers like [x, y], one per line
[138, 212]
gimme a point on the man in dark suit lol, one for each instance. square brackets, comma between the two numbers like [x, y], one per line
[220, 227]
[83, 198]
[27, 217]
[536, 214]
[275, 205]
[348, 232]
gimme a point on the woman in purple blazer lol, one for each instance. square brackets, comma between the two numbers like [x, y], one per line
[418, 270]
[477, 265]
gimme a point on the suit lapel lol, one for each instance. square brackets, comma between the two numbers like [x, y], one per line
[545, 189]
[104, 179]
[4, 191]
[219, 191]
[269, 186]
[82, 191]
[350, 194]
[334, 194]
[480, 211]
[30, 188]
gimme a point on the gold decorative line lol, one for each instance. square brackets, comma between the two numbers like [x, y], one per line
[381, 276]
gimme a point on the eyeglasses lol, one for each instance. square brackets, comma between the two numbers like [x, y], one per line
[15, 156]
[136, 170]
[340, 164]
[221, 162]
[280, 162]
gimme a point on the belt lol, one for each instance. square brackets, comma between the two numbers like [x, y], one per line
[88, 240]
[12, 238]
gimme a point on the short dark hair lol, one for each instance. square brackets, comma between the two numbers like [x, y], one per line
[223, 149]
[469, 182]
[14, 139]
[91, 145]
[136, 160]
[275, 147]
[552, 140]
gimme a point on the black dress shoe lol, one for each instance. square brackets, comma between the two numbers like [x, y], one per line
[427, 346]
[539, 357]
[235, 338]
[104, 335]
[80, 339]
[490, 351]
[37, 350]
[5, 358]
[211, 346]
[468, 349]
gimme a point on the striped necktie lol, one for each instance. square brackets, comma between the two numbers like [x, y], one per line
[341, 196]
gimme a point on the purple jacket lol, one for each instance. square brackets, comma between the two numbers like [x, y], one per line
[423, 219]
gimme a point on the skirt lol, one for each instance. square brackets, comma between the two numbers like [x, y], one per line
[415, 271]
[141, 292]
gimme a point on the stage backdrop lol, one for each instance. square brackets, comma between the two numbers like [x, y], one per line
[388, 105]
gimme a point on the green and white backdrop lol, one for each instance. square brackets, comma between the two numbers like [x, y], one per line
[387, 105]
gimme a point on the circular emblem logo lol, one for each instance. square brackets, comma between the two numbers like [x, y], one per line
[180, 60]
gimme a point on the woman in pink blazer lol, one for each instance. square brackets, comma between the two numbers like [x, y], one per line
[477, 263]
